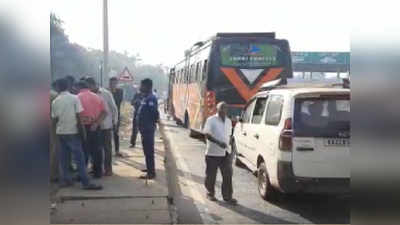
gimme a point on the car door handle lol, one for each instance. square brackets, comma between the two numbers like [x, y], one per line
[244, 134]
[256, 136]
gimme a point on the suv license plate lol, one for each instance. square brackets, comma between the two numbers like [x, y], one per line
[337, 142]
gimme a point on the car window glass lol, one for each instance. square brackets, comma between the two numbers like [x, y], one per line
[259, 110]
[322, 117]
[274, 110]
[248, 111]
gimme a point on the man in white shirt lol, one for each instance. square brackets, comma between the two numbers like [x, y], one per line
[218, 132]
[108, 123]
[65, 113]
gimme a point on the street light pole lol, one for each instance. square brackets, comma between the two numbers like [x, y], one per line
[101, 73]
[105, 41]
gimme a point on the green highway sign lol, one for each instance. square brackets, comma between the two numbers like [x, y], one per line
[342, 58]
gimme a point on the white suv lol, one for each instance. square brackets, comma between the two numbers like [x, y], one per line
[296, 139]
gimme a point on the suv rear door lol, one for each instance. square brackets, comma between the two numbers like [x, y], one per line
[321, 143]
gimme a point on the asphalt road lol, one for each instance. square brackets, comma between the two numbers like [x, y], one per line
[186, 169]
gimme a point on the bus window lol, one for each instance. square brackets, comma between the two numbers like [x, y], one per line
[196, 76]
[187, 76]
[193, 74]
[200, 71]
[204, 74]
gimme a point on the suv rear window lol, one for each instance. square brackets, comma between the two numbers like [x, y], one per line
[322, 117]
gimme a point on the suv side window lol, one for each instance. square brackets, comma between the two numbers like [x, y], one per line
[247, 113]
[259, 109]
[274, 110]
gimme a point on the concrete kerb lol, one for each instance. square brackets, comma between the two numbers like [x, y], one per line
[194, 193]
[167, 163]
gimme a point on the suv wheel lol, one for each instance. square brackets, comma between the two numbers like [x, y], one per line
[265, 188]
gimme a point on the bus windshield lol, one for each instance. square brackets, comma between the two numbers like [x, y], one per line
[250, 55]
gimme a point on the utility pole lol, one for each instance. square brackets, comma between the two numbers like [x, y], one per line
[105, 42]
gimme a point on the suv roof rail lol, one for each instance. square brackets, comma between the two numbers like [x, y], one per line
[305, 83]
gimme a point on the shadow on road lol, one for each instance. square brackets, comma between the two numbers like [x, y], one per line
[254, 215]
[198, 179]
[320, 209]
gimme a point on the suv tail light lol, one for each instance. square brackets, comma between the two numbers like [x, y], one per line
[285, 139]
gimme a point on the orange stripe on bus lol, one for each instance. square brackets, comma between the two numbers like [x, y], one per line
[242, 88]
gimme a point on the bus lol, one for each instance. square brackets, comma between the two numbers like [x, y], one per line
[228, 67]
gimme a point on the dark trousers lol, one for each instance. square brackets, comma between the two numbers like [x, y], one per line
[71, 144]
[135, 132]
[148, 149]
[107, 148]
[225, 166]
[116, 138]
[92, 148]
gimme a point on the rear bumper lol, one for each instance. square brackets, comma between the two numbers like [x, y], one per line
[289, 183]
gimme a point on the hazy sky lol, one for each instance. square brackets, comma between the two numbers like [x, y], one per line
[160, 30]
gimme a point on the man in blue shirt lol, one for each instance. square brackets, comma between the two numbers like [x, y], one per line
[147, 117]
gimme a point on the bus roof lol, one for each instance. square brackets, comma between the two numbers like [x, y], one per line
[244, 35]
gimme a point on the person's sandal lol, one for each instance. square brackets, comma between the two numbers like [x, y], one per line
[93, 187]
[212, 198]
[147, 177]
[108, 173]
[231, 201]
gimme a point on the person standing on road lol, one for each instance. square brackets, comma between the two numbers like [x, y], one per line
[106, 127]
[66, 109]
[137, 99]
[147, 118]
[218, 132]
[118, 94]
[93, 114]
